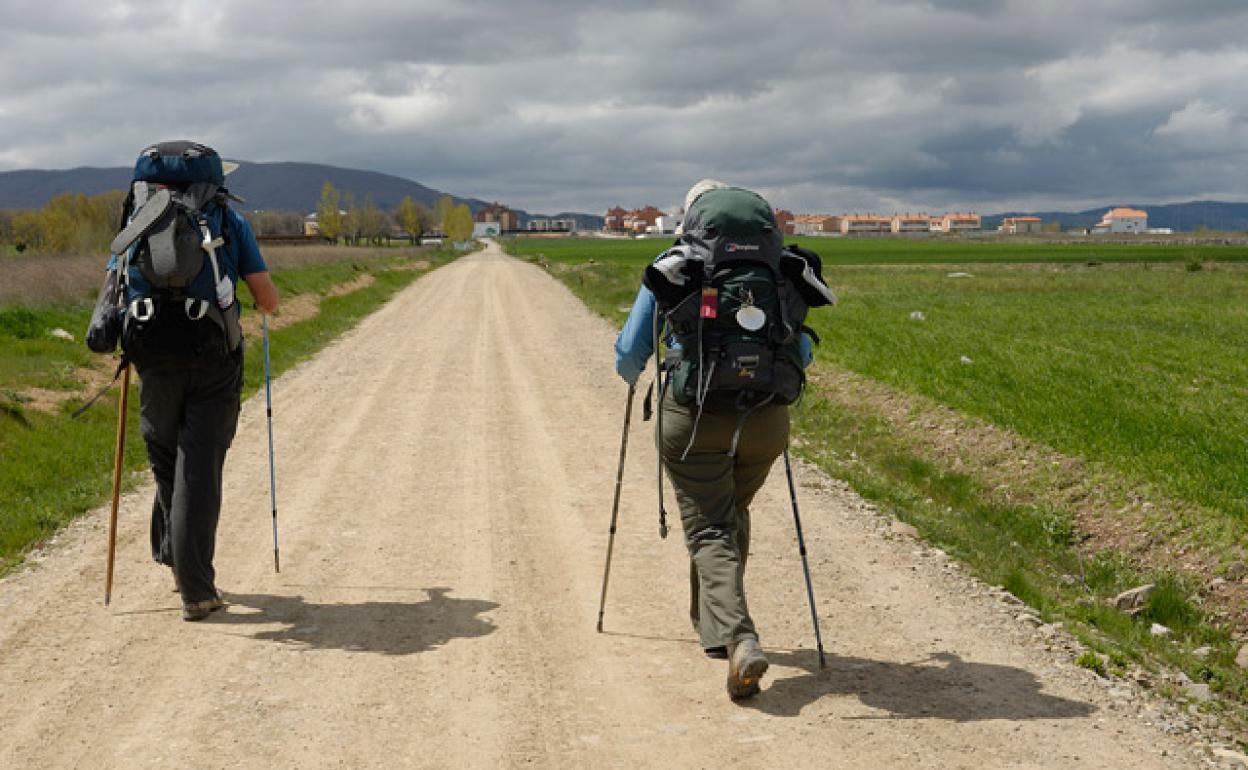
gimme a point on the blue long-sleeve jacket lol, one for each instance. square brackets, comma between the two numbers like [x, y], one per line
[635, 344]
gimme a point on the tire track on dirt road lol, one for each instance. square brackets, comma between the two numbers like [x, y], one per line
[445, 475]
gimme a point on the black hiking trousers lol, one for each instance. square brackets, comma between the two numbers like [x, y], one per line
[188, 414]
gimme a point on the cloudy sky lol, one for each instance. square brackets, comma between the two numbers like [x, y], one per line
[551, 105]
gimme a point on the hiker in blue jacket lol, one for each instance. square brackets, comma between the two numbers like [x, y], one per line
[717, 454]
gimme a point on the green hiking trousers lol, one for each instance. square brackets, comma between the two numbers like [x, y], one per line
[714, 491]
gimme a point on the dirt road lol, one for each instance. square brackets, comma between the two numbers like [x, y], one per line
[445, 475]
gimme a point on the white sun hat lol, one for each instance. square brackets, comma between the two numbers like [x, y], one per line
[699, 188]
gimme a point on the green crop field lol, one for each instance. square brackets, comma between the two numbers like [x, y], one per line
[1141, 365]
[900, 251]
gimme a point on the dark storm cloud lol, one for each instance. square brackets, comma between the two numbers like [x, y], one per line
[553, 105]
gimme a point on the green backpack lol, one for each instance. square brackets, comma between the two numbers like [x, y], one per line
[735, 299]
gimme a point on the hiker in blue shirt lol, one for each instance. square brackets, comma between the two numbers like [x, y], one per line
[721, 430]
[182, 333]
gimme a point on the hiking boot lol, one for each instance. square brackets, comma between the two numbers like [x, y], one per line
[717, 653]
[193, 611]
[746, 665]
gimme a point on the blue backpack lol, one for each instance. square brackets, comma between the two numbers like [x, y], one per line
[175, 301]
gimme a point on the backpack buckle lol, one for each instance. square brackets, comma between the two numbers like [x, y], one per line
[196, 308]
[143, 309]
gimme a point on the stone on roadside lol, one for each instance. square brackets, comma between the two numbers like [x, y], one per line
[61, 334]
[1135, 598]
[903, 529]
[1159, 630]
[1236, 571]
[1231, 757]
[1202, 652]
[1241, 659]
[1199, 691]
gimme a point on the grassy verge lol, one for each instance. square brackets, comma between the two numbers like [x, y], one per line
[53, 469]
[1134, 370]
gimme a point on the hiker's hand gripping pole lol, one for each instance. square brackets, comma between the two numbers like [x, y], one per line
[615, 506]
[118, 462]
[801, 547]
[268, 403]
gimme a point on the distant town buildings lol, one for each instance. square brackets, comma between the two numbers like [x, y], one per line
[911, 223]
[812, 224]
[500, 214]
[1123, 220]
[1020, 225]
[550, 225]
[631, 221]
[856, 224]
[651, 220]
[958, 223]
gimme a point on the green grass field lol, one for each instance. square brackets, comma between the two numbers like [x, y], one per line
[899, 251]
[52, 468]
[1139, 367]
[1143, 366]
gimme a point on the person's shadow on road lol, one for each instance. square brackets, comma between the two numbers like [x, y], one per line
[957, 690]
[389, 628]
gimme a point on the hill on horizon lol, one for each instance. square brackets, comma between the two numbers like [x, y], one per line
[278, 186]
[295, 186]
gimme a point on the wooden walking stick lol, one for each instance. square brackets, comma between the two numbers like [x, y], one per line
[118, 462]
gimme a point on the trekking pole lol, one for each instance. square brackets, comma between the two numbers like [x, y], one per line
[658, 425]
[801, 547]
[615, 506]
[118, 462]
[268, 402]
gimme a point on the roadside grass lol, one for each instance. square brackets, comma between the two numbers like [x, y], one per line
[53, 468]
[1138, 368]
[901, 251]
[1032, 551]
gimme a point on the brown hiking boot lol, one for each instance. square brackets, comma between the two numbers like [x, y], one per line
[746, 665]
[193, 611]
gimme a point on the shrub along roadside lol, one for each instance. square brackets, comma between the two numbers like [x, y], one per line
[1032, 550]
[53, 469]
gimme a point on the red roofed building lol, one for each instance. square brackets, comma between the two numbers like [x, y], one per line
[1122, 220]
[865, 223]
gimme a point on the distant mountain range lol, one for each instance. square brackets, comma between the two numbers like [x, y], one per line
[1180, 217]
[297, 187]
[265, 186]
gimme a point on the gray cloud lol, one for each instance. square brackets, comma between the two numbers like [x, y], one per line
[553, 104]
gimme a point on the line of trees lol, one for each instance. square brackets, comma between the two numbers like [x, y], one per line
[73, 223]
[340, 216]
